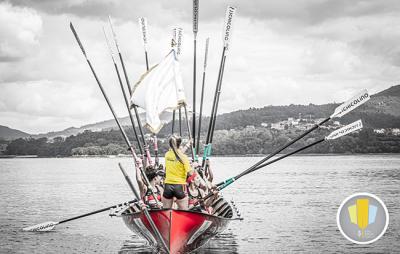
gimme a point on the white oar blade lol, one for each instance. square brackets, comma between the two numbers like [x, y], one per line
[195, 16]
[143, 31]
[230, 13]
[351, 104]
[42, 227]
[357, 125]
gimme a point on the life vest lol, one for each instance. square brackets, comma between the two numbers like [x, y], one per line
[149, 199]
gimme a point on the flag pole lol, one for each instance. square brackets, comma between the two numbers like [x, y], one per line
[146, 147]
[202, 96]
[230, 13]
[195, 30]
[123, 93]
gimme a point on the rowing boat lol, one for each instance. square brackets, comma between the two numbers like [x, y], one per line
[183, 231]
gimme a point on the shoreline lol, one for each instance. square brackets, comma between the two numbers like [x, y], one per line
[228, 155]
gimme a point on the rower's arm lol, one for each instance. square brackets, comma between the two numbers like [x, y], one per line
[210, 172]
[139, 180]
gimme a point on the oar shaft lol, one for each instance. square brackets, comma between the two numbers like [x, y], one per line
[145, 211]
[189, 132]
[280, 149]
[286, 155]
[202, 97]
[97, 211]
[129, 111]
[180, 122]
[194, 92]
[226, 183]
[128, 143]
[173, 122]
[217, 88]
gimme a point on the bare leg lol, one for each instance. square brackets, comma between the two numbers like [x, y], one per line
[182, 203]
[167, 203]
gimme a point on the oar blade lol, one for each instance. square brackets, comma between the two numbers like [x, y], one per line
[42, 227]
[229, 15]
[351, 104]
[143, 31]
[355, 126]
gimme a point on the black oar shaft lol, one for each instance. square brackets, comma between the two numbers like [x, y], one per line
[128, 143]
[286, 155]
[147, 59]
[180, 121]
[194, 92]
[280, 149]
[216, 97]
[97, 211]
[202, 97]
[145, 211]
[129, 111]
[173, 122]
[189, 132]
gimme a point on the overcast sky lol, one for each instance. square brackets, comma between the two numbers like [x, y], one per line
[282, 52]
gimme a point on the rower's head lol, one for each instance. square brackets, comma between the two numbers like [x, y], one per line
[174, 143]
[154, 174]
[194, 179]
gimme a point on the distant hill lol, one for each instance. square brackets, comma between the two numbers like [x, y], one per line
[7, 133]
[382, 111]
[104, 125]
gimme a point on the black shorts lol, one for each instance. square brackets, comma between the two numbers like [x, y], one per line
[174, 190]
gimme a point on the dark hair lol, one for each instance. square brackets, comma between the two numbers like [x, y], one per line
[150, 172]
[174, 143]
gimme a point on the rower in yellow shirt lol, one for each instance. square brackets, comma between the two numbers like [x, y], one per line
[177, 169]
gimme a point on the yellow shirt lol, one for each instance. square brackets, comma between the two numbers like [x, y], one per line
[176, 171]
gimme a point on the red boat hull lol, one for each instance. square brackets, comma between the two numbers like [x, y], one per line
[183, 231]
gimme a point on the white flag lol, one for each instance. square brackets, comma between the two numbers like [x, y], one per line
[159, 90]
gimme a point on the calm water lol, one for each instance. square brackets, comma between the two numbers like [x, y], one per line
[288, 207]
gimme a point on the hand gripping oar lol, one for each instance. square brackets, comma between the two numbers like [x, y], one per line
[128, 143]
[145, 211]
[355, 126]
[49, 225]
[340, 111]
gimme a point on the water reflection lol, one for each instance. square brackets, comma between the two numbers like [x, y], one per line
[222, 243]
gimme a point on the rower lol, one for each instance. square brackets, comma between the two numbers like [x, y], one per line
[195, 193]
[155, 177]
[177, 169]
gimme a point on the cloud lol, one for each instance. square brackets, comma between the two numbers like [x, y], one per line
[19, 29]
[282, 52]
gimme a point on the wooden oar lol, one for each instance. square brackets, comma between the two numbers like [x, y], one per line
[145, 211]
[49, 225]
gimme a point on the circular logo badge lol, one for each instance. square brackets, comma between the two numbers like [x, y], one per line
[362, 218]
